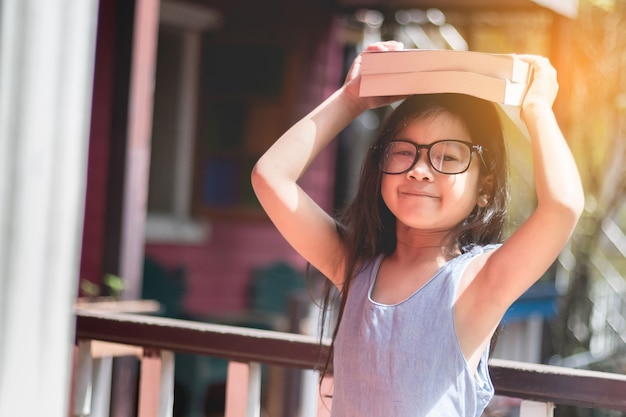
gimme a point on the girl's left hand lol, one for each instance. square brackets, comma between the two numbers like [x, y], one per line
[353, 79]
[544, 86]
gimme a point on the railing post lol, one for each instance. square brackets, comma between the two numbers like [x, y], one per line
[83, 381]
[544, 383]
[101, 386]
[243, 390]
[156, 387]
[536, 409]
[92, 381]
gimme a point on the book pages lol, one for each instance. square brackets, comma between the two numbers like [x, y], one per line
[428, 82]
[502, 66]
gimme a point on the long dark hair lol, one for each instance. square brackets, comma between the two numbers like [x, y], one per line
[366, 225]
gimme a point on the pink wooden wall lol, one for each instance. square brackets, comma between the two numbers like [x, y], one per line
[217, 271]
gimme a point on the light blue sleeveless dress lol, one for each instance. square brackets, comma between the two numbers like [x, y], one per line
[404, 360]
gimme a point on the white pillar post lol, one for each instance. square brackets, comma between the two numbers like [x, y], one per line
[46, 77]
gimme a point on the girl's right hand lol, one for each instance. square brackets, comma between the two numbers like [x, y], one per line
[352, 82]
[543, 88]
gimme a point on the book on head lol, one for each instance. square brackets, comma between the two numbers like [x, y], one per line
[501, 78]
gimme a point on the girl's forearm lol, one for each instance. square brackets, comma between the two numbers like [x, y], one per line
[557, 179]
[293, 152]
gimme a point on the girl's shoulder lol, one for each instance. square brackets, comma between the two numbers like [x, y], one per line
[472, 252]
[366, 265]
[475, 250]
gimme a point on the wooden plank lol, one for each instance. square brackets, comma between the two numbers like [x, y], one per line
[101, 349]
[119, 306]
[156, 386]
[83, 379]
[564, 386]
[139, 133]
[101, 382]
[536, 409]
[92, 379]
[166, 388]
[150, 378]
[568, 8]
[228, 342]
[243, 390]
[125, 240]
[526, 381]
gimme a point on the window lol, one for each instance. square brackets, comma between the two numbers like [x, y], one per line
[174, 123]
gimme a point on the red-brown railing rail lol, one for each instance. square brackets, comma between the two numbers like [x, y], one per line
[539, 386]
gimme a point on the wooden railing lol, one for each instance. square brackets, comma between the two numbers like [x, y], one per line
[155, 339]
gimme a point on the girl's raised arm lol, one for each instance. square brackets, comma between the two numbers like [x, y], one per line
[309, 229]
[494, 281]
[536, 244]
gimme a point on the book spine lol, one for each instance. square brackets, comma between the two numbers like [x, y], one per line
[522, 71]
[514, 93]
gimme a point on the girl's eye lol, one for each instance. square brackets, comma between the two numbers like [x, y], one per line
[400, 150]
[450, 157]
[447, 152]
[403, 154]
[445, 157]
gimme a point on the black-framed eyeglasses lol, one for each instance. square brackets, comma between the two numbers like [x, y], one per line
[448, 156]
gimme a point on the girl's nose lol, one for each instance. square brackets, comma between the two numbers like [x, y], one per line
[422, 169]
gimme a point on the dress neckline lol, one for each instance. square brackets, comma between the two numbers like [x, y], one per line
[374, 275]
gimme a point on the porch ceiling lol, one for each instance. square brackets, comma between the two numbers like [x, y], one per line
[567, 8]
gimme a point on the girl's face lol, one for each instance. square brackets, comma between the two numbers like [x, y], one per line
[423, 198]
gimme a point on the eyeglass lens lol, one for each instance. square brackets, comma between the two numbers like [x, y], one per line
[447, 157]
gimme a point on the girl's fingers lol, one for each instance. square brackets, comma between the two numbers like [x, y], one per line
[352, 81]
[541, 66]
[385, 46]
[544, 85]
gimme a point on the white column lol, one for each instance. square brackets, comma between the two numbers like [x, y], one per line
[46, 71]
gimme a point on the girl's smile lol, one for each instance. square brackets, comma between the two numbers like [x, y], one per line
[417, 193]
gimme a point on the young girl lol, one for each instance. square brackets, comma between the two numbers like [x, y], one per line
[423, 277]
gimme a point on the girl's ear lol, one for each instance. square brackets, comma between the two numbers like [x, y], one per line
[485, 192]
